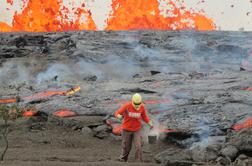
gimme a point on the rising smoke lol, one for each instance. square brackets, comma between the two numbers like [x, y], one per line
[13, 72]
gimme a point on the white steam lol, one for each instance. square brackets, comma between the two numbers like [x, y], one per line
[14, 72]
[114, 68]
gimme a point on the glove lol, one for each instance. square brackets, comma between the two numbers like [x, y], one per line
[119, 116]
[150, 124]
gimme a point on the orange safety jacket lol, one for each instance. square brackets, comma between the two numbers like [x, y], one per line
[132, 117]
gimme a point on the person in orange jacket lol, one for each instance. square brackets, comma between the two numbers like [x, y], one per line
[132, 113]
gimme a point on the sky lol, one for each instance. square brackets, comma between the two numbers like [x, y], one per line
[227, 14]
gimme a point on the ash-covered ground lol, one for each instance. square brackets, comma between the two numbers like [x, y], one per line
[193, 82]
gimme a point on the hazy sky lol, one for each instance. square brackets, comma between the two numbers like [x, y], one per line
[227, 14]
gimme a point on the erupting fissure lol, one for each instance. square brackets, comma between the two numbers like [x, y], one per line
[142, 14]
[49, 15]
[53, 15]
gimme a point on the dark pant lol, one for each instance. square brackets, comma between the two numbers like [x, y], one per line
[127, 138]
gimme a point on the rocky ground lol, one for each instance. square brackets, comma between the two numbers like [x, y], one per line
[54, 142]
[193, 82]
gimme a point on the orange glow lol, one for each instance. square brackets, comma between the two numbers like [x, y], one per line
[142, 14]
[73, 90]
[64, 113]
[29, 113]
[10, 2]
[246, 124]
[50, 15]
[53, 15]
[8, 100]
[4, 27]
[247, 89]
[43, 95]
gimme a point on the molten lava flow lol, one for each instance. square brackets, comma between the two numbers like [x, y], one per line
[29, 113]
[8, 100]
[143, 14]
[64, 113]
[43, 95]
[247, 89]
[50, 15]
[73, 90]
[246, 124]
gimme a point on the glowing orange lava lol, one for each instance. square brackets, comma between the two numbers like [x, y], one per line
[143, 14]
[72, 90]
[8, 101]
[246, 124]
[50, 15]
[247, 89]
[64, 113]
[10, 2]
[4, 27]
[29, 113]
[54, 15]
[43, 95]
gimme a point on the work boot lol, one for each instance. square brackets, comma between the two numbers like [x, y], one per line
[121, 160]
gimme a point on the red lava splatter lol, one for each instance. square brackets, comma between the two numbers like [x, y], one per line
[10, 2]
